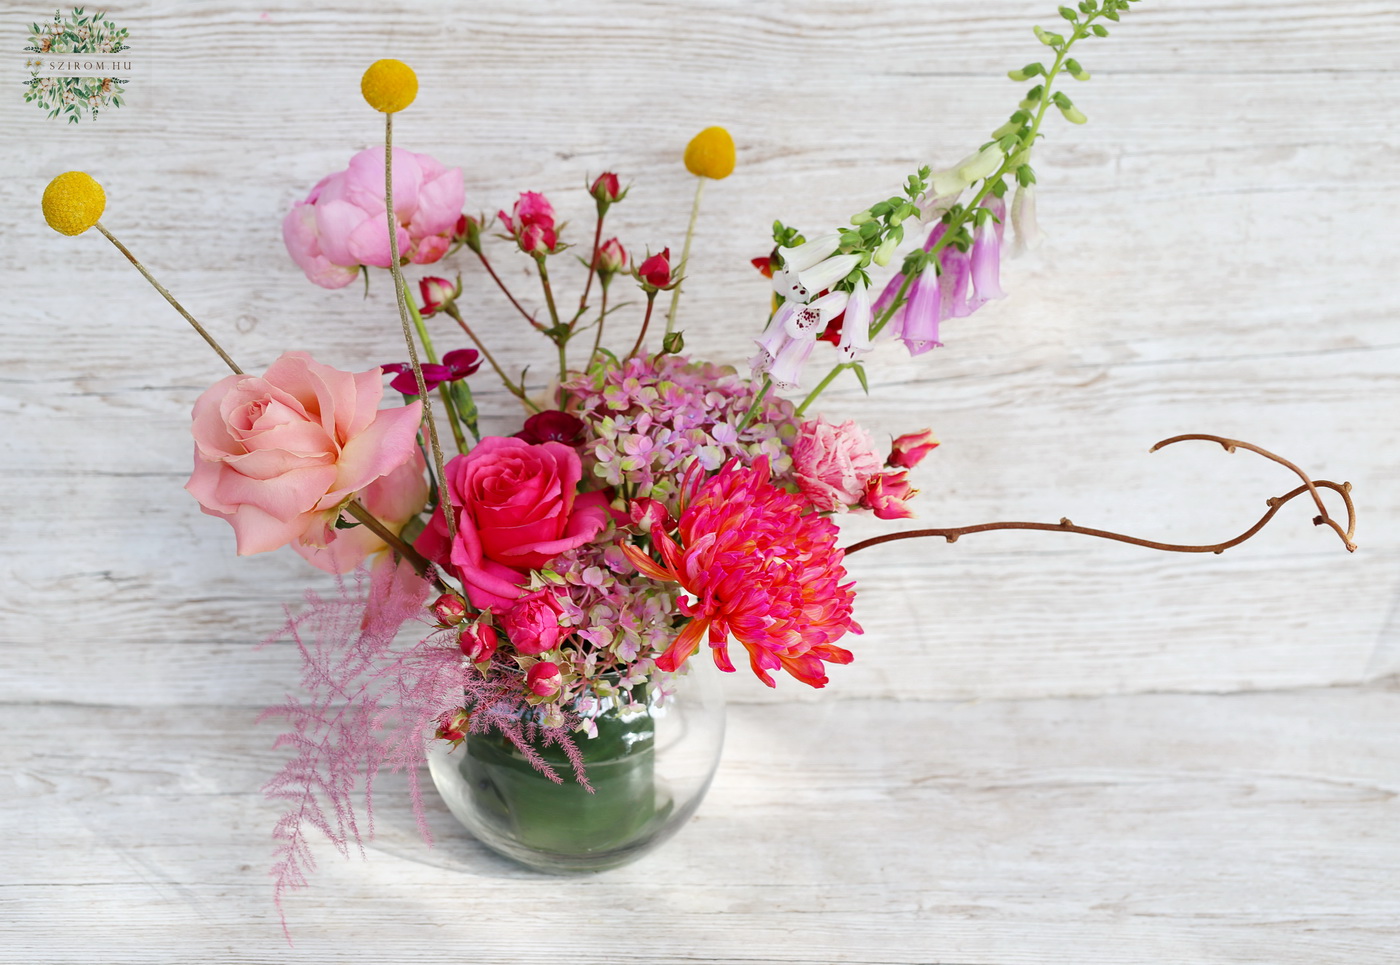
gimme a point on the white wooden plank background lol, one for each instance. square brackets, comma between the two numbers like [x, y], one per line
[1048, 750]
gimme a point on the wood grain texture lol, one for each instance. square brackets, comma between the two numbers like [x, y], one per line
[1048, 750]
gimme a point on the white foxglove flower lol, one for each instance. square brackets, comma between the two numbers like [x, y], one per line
[822, 276]
[812, 319]
[952, 182]
[807, 254]
[1028, 233]
[786, 371]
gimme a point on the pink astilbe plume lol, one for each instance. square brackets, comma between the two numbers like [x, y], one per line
[761, 564]
[368, 702]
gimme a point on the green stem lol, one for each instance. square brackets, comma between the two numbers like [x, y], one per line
[646, 320]
[598, 336]
[685, 253]
[481, 255]
[401, 292]
[821, 387]
[753, 406]
[516, 390]
[453, 419]
[592, 270]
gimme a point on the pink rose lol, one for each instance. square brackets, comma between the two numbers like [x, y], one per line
[544, 679]
[887, 493]
[517, 507]
[910, 449]
[531, 223]
[611, 258]
[533, 623]
[278, 455]
[341, 224]
[478, 642]
[607, 188]
[833, 464]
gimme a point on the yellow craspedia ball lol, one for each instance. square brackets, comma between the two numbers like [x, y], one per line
[73, 202]
[389, 86]
[710, 154]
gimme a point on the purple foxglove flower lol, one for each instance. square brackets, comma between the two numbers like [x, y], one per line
[786, 371]
[918, 327]
[886, 298]
[774, 337]
[855, 329]
[986, 264]
[953, 284]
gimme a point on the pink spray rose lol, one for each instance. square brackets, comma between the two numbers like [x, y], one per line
[531, 223]
[910, 449]
[478, 642]
[517, 507]
[277, 455]
[341, 224]
[833, 464]
[533, 623]
[887, 493]
[544, 679]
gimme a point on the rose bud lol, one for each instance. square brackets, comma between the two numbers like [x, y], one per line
[544, 679]
[478, 642]
[911, 448]
[886, 494]
[607, 189]
[468, 232]
[611, 258]
[650, 515]
[453, 727]
[437, 292]
[449, 609]
[655, 272]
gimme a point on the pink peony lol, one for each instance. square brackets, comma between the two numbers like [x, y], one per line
[832, 464]
[533, 623]
[278, 455]
[341, 224]
[517, 507]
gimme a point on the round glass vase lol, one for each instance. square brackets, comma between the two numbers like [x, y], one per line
[649, 766]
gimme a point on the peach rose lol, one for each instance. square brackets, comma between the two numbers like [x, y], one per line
[278, 455]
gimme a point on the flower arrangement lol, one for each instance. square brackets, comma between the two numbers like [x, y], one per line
[646, 504]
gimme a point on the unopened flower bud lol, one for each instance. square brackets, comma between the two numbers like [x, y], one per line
[655, 272]
[910, 449]
[606, 189]
[436, 293]
[885, 252]
[611, 258]
[449, 609]
[544, 679]
[478, 642]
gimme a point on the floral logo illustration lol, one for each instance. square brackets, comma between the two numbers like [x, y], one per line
[77, 49]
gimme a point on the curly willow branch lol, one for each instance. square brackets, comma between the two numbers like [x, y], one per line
[1275, 503]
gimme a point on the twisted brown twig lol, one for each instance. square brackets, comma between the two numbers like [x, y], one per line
[1275, 503]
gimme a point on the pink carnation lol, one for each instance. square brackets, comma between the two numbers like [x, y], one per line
[341, 224]
[833, 464]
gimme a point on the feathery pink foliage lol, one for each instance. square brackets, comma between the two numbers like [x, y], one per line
[368, 702]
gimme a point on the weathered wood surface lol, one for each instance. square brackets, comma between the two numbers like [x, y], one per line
[1049, 749]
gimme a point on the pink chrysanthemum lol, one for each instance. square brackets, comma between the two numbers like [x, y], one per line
[760, 565]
